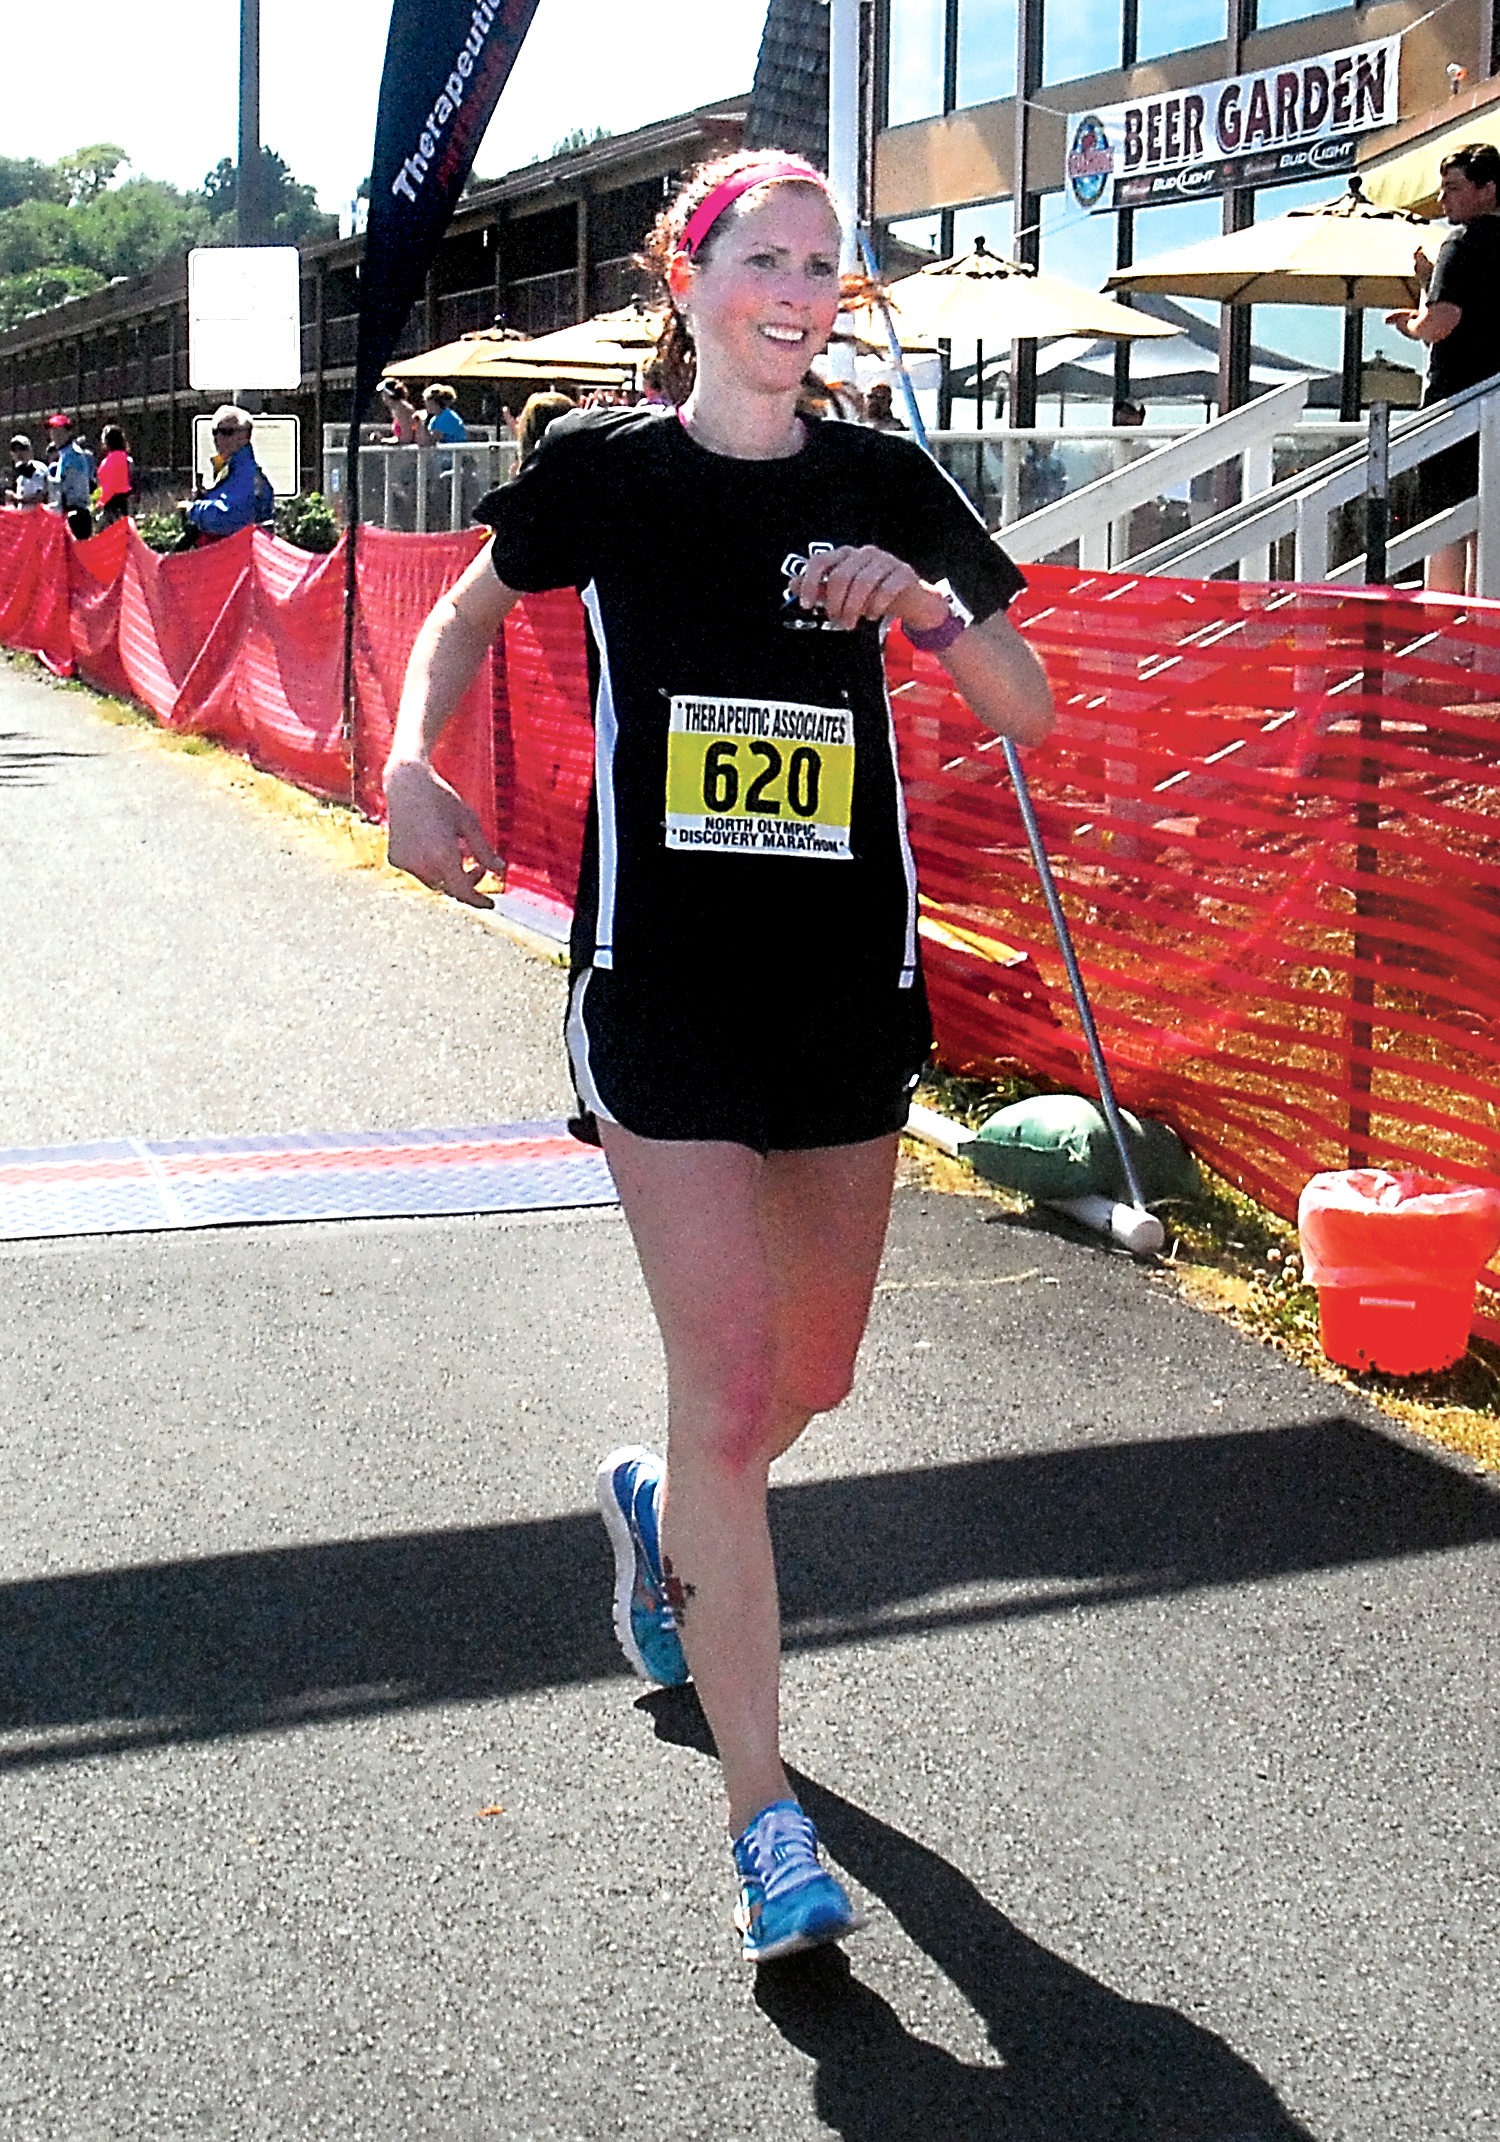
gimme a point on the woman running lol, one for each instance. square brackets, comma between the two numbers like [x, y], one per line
[746, 908]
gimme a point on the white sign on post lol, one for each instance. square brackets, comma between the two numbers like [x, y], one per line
[244, 317]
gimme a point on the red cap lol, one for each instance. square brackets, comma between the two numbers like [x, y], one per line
[56, 423]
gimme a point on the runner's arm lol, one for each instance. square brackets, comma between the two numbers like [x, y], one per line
[431, 829]
[999, 676]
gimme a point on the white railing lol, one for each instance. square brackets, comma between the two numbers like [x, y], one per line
[1301, 508]
[418, 490]
[1097, 518]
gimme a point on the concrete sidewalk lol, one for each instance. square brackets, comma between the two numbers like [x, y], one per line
[1143, 1686]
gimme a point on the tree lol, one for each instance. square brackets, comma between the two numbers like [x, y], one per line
[87, 172]
[581, 137]
[24, 179]
[134, 227]
[33, 235]
[68, 228]
[292, 211]
[39, 289]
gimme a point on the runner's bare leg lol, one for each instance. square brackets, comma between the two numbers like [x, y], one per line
[760, 1273]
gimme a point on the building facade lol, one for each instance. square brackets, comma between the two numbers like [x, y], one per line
[953, 132]
[540, 248]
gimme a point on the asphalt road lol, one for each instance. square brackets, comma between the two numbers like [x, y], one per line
[1142, 1685]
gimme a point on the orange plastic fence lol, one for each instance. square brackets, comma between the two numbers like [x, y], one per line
[1272, 811]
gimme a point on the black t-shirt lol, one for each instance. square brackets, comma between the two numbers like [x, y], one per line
[1467, 274]
[746, 808]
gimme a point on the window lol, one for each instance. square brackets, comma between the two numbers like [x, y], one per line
[1079, 40]
[1078, 249]
[916, 60]
[1178, 25]
[986, 50]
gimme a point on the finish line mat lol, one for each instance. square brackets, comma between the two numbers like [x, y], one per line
[126, 1187]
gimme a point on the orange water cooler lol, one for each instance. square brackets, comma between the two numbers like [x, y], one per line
[1395, 1260]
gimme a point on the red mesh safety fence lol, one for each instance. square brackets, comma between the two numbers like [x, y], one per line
[34, 585]
[1272, 812]
[544, 746]
[399, 579]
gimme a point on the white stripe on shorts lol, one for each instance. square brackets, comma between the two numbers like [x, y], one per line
[578, 1052]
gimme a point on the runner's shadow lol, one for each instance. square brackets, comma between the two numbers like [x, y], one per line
[1075, 2061]
[24, 763]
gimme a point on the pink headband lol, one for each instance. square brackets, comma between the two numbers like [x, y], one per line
[709, 210]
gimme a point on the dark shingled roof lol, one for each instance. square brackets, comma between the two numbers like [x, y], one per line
[789, 102]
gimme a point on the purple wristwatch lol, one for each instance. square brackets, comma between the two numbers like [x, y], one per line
[936, 637]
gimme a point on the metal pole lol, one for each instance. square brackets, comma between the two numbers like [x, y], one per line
[1367, 806]
[351, 554]
[843, 156]
[1033, 830]
[1130, 45]
[1378, 495]
[1351, 370]
[843, 123]
[249, 224]
[1026, 206]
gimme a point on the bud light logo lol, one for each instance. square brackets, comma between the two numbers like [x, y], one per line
[1091, 161]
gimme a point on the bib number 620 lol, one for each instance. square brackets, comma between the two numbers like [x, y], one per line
[721, 779]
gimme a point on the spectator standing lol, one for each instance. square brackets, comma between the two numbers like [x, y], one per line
[241, 496]
[70, 477]
[1459, 320]
[443, 426]
[441, 423]
[405, 423]
[879, 414]
[27, 483]
[116, 477]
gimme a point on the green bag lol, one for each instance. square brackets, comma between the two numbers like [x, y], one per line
[1059, 1145]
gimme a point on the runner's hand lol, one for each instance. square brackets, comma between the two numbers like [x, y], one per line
[432, 831]
[852, 584]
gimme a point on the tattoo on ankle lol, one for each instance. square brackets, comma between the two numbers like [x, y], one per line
[678, 1593]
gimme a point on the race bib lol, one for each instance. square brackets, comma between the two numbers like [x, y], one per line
[760, 777]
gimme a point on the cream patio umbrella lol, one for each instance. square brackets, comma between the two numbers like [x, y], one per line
[981, 298]
[618, 338]
[501, 354]
[1408, 178]
[978, 297]
[1347, 252]
[463, 359]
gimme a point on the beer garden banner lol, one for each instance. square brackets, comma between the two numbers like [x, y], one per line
[1273, 127]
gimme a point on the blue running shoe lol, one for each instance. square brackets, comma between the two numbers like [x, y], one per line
[628, 1488]
[787, 1901]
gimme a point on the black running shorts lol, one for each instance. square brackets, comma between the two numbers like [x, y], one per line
[744, 1062]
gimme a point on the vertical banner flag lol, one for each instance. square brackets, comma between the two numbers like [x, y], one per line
[446, 62]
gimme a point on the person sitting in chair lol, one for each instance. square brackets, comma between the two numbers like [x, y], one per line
[241, 496]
